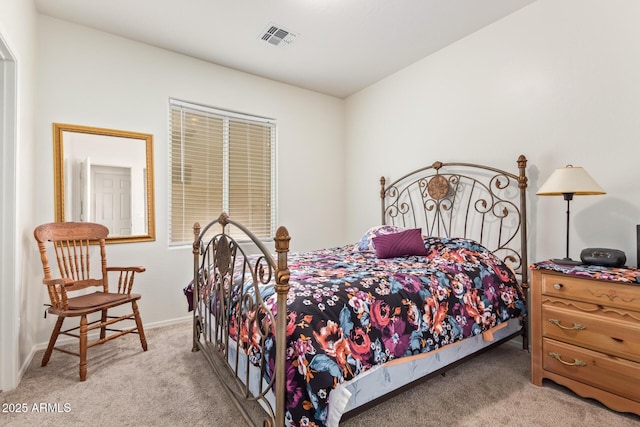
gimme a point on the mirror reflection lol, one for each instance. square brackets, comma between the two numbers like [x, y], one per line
[105, 176]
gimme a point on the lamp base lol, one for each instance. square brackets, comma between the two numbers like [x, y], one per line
[566, 261]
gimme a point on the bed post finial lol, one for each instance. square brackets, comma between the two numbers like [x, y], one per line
[282, 249]
[522, 165]
[282, 239]
[196, 236]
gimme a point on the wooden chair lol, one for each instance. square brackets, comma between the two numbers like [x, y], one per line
[72, 244]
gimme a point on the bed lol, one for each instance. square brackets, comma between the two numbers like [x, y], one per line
[441, 279]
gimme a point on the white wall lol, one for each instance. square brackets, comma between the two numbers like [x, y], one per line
[17, 284]
[557, 81]
[92, 78]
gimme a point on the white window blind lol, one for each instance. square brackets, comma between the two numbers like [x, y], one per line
[220, 162]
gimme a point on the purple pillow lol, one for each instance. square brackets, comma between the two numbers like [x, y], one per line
[404, 243]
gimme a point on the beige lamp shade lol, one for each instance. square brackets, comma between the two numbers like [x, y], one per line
[570, 179]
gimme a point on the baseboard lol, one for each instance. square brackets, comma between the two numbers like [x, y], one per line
[515, 342]
[26, 363]
[170, 322]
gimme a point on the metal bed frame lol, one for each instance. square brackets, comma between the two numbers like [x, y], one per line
[445, 199]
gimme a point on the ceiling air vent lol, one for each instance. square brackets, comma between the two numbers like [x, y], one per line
[277, 36]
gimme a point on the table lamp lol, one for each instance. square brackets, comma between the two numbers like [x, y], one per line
[568, 182]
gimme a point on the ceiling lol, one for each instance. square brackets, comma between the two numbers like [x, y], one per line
[341, 46]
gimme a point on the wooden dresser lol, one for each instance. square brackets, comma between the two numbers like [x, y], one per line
[585, 332]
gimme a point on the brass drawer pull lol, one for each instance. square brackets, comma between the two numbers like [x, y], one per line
[576, 326]
[576, 362]
[557, 286]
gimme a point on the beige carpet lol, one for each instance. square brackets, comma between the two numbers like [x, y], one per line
[171, 386]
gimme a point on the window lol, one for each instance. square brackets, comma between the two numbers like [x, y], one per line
[220, 161]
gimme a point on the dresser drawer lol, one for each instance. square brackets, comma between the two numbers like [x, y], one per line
[594, 291]
[611, 331]
[608, 373]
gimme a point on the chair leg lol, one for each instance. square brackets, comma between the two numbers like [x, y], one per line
[83, 348]
[103, 329]
[52, 341]
[136, 312]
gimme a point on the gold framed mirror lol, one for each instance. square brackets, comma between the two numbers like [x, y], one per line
[105, 176]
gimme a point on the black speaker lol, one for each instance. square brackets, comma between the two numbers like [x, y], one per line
[603, 256]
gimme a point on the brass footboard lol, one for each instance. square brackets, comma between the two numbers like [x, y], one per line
[233, 325]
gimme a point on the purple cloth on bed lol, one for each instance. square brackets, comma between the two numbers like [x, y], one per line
[349, 311]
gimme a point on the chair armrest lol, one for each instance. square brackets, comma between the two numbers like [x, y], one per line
[62, 281]
[125, 280]
[137, 269]
[57, 289]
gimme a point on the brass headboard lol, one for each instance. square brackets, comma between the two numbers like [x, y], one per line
[466, 200]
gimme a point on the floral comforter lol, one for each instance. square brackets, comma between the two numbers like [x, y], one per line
[349, 311]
